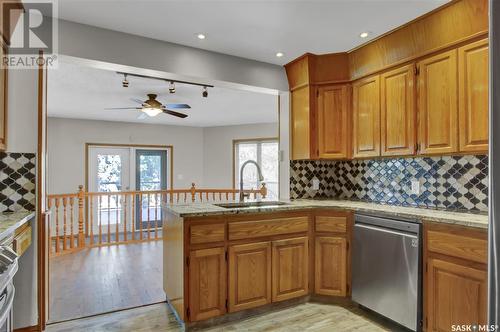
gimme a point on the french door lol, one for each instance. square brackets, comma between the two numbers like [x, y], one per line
[151, 174]
[109, 170]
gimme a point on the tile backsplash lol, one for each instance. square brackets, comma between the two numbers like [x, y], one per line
[450, 182]
[17, 181]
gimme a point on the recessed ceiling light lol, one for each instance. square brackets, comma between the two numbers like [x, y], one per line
[279, 54]
[364, 34]
[201, 36]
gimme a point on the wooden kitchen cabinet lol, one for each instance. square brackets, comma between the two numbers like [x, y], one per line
[334, 122]
[455, 277]
[473, 96]
[330, 265]
[437, 104]
[456, 295]
[366, 117]
[207, 283]
[290, 268]
[397, 111]
[302, 124]
[249, 275]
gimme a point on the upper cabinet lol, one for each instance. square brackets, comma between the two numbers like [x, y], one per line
[473, 96]
[397, 111]
[334, 122]
[366, 117]
[437, 103]
[397, 95]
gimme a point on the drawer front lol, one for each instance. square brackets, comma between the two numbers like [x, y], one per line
[22, 241]
[459, 246]
[260, 228]
[337, 224]
[207, 233]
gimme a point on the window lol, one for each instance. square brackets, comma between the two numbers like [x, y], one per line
[266, 153]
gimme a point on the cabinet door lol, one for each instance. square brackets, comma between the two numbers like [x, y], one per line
[398, 111]
[333, 122]
[207, 283]
[290, 268]
[455, 294]
[331, 266]
[473, 96]
[249, 275]
[300, 123]
[437, 101]
[366, 117]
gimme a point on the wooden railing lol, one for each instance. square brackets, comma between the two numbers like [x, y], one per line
[92, 219]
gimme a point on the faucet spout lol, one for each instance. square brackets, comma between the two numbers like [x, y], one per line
[259, 172]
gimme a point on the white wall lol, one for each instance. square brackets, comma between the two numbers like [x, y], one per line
[66, 148]
[218, 150]
[22, 136]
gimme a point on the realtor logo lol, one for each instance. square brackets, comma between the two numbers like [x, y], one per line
[33, 29]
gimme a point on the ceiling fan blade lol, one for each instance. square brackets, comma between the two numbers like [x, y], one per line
[136, 100]
[177, 106]
[177, 114]
[123, 108]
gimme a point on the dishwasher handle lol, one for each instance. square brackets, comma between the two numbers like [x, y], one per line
[387, 230]
[405, 226]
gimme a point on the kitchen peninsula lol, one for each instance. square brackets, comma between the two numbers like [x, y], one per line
[225, 263]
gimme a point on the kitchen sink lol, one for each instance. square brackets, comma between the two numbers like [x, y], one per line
[242, 205]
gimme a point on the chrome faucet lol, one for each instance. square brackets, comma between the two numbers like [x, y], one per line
[261, 178]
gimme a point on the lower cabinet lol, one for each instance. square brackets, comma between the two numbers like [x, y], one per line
[290, 269]
[249, 275]
[330, 266]
[207, 283]
[456, 295]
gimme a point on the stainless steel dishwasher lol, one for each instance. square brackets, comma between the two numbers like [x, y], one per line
[386, 268]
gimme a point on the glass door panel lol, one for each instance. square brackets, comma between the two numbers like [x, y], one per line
[151, 175]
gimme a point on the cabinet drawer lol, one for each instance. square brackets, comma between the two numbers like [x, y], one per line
[207, 233]
[260, 228]
[337, 224]
[22, 241]
[460, 246]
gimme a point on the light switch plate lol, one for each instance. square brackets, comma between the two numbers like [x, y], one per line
[315, 184]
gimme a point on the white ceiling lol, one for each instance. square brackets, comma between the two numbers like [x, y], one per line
[251, 29]
[76, 91]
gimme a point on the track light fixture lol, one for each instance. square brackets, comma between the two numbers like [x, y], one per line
[125, 82]
[171, 87]
[205, 92]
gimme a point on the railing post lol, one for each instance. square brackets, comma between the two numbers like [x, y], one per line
[81, 235]
[263, 190]
[193, 192]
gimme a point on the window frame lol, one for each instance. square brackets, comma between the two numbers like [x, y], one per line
[259, 142]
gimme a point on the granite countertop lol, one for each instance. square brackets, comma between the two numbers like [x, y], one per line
[458, 218]
[10, 221]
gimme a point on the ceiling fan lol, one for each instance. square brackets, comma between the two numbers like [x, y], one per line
[153, 107]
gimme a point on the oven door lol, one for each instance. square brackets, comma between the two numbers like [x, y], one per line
[6, 301]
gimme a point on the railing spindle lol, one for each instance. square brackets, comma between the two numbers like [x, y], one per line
[72, 221]
[134, 202]
[65, 211]
[91, 215]
[117, 229]
[125, 218]
[156, 216]
[57, 224]
[109, 219]
[100, 219]
[140, 216]
[149, 218]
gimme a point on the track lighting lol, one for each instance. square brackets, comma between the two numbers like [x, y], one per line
[171, 87]
[125, 82]
[205, 92]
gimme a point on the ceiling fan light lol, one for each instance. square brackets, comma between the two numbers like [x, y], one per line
[152, 112]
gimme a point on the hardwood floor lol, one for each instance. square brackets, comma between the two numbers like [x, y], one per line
[305, 317]
[100, 280]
